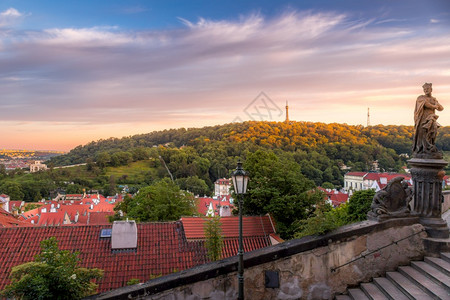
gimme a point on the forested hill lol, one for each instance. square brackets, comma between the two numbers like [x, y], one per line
[305, 136]
[324, 151]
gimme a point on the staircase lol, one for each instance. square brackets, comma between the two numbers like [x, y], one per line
[428, 279]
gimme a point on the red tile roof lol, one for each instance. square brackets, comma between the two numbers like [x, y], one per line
[338, 199]
[162, 248]
[15, 204]
[204, 202]
[51, 218]
[356, 174]
[8, 220]
[98, 218]
[389, 176]
[251, 226]
[89, 204]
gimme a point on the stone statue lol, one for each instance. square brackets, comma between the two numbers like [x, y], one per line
[392, 201]
[426, 125]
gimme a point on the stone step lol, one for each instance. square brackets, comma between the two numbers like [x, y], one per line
[389, 289]
[440, 264]
[408, 287]
[342, 297]
[429, 286]
[373, 292]
[357, 294]
[446, 256]
[431, 272]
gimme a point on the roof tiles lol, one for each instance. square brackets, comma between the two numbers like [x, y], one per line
[163, 248]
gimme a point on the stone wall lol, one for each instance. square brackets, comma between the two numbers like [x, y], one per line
[304, 266]
[446, 203]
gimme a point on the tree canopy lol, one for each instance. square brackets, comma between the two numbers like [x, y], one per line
[53, 274]
[196, 157]
[161, 201]
[278, 187]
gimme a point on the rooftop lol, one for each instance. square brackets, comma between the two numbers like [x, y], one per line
[162, 248]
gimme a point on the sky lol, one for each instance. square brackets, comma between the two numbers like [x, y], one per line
[72, 72]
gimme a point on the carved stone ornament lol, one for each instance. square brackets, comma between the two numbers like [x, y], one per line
[392, 201]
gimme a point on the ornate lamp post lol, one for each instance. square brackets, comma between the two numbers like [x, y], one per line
[240, 180]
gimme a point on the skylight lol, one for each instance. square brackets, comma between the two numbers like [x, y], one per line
[106, 233]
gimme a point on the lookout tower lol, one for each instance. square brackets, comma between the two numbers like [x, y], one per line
[287, 113]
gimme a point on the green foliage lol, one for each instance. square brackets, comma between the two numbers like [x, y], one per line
[133, 281]
[214, 240]
[161, 201]
[31, 206]
[325, 219]
[13, 190]
[327, 185]
[278, 187]
[447, 158]
[210, 153]
[359, 205]
[193, 184]
[52, 275]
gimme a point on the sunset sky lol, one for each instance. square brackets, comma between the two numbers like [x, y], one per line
[76, 71]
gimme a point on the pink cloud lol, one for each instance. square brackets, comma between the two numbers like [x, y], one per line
[329, 66]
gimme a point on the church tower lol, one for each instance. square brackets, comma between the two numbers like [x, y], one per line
[287, 113]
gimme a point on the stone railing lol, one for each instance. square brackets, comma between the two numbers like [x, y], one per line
[307, 268]
[446, 203]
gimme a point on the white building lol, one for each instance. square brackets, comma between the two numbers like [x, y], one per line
[222, 187]
[357, 181]
[37, 166]
[4, 202]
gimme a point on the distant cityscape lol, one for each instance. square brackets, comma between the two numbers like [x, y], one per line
[22, 159]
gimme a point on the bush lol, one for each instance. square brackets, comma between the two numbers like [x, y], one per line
[52, 275]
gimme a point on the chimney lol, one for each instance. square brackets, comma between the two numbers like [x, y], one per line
[124, 235]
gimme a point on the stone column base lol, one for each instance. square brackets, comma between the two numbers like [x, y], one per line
[427, 175]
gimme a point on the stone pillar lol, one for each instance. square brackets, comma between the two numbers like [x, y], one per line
[427, 175]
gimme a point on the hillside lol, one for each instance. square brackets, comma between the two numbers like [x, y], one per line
[196, 157]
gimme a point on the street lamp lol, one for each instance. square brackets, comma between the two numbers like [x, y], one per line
[240, 180]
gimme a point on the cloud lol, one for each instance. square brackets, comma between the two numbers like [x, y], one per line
[434, 21]
[11, 13]
[10, 17]
[328, 65]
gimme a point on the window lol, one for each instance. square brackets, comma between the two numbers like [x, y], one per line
[106, 233]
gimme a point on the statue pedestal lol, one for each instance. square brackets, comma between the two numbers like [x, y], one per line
[427, 175]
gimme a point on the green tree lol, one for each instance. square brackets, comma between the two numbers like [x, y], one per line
[277, 187]
[161, 201]
[325, 219]
[359, 204]
[53, 274]
[13, 190]
[327, 185]
[74, 189]
[31, 206]
[103, 159]
[121, 209]
[193, 184]
[214, 240]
